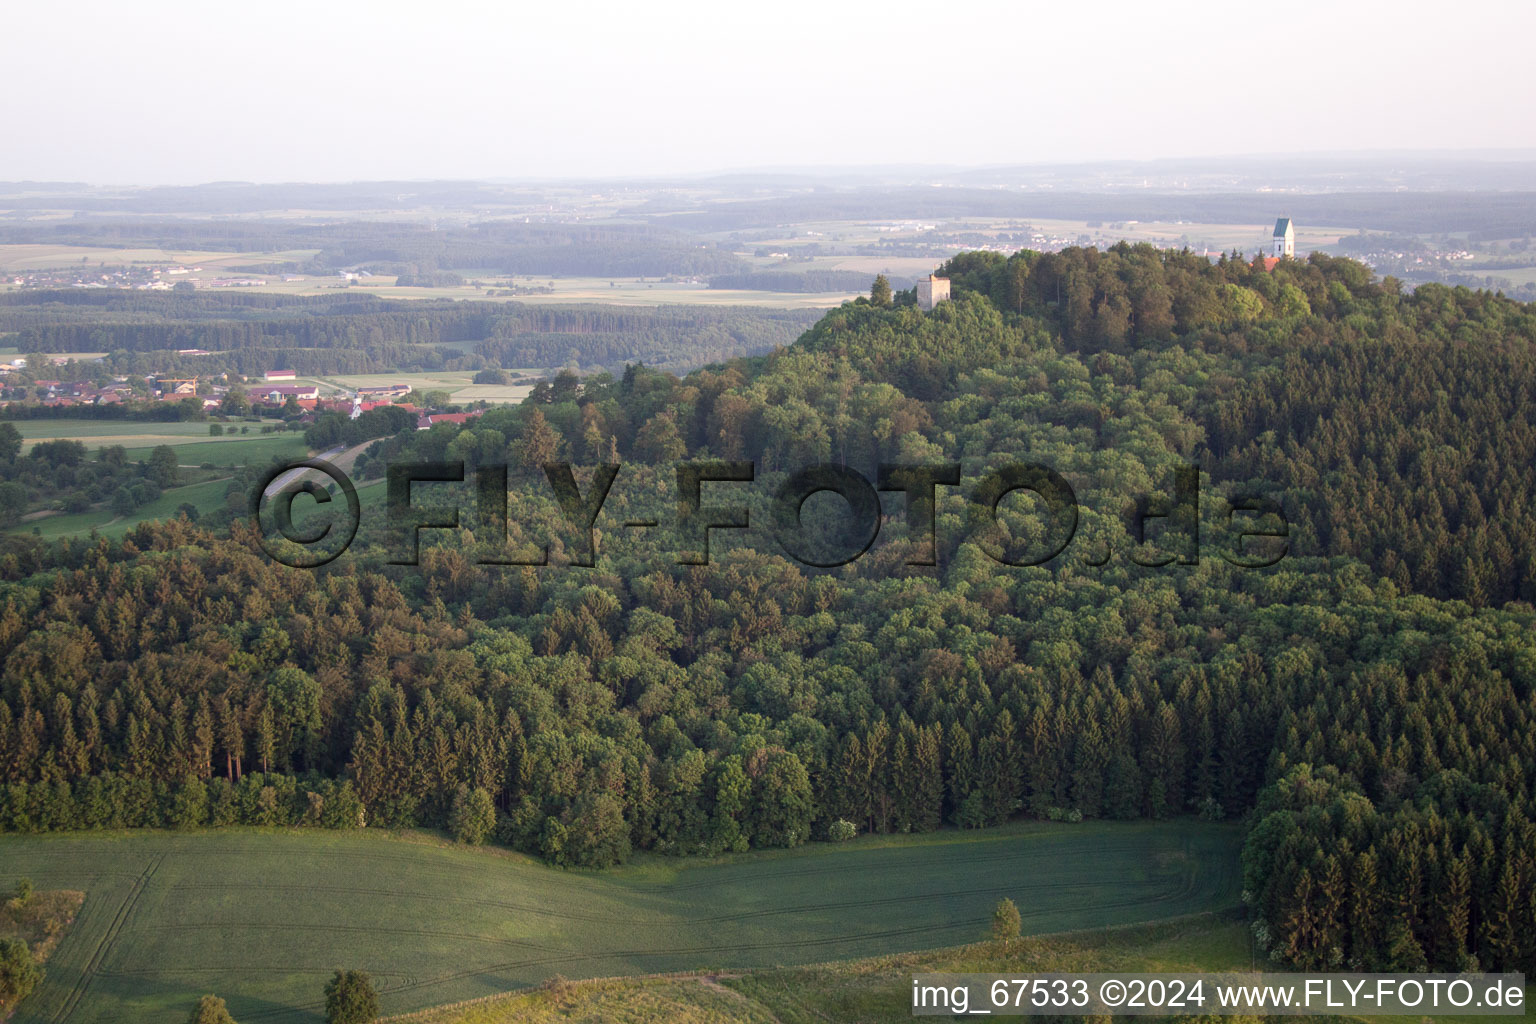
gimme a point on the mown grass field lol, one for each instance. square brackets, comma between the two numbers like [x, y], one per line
[263, 918]
[130, 434]
[252, 449]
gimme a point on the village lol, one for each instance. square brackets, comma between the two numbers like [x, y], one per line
[277, 393]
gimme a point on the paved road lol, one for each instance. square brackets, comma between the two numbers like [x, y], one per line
[293, 476]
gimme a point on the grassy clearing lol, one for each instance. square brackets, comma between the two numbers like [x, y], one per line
[262, 918]
[205, 497]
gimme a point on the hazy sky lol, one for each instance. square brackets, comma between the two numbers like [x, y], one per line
[177, 92]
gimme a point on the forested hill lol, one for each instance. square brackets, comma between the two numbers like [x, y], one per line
[1366, 705]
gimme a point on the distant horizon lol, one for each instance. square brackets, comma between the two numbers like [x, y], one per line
[1215, 162]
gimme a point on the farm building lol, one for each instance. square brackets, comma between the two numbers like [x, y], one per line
[279, 395]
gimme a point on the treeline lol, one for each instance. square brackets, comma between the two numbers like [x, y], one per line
[171, 321]
[1443, 882]
[333, 428]
[670, 337]
[251, 334]
[190, 408]
[111, 800]
[414, 277]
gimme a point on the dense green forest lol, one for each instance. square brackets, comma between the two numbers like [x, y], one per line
[1367, 703]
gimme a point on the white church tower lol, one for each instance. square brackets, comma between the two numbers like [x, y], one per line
[1284, 241]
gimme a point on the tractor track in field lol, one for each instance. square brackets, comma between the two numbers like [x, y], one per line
[545, 910]
[105, 943]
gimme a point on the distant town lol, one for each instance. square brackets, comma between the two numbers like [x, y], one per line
[159, 277]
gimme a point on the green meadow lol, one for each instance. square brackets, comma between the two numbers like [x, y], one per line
[253, 449]
[263, 917]
[128, 433]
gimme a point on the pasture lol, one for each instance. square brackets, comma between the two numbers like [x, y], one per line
[263, 917]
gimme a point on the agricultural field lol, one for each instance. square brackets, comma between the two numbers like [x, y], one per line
[212, 266]
[18, 259]
[263, 917]
[460, 386]
[638, 292]
[131, 434]
[237, 451]
[1514, 275]
[618, 291]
